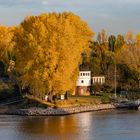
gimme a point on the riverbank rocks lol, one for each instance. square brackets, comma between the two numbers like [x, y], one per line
[59, 111]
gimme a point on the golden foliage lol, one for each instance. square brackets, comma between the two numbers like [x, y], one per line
[129, 55]
[6, 34]
[138, 39]
[48, 51]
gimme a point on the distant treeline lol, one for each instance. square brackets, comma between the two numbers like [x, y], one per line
[122, 51]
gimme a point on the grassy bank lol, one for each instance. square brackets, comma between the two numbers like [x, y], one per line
[31, 101]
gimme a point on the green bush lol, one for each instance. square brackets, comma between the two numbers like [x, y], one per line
[7, 90]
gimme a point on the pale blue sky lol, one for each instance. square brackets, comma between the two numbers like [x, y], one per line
[116, 16]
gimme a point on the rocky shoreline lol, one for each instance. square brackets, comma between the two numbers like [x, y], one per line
[59, 111]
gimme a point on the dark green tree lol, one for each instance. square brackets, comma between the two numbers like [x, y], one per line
[111, 43]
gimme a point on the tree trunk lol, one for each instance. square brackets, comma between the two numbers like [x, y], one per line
[50, 97]
[138, 81]
[66, 95]
[20, 89]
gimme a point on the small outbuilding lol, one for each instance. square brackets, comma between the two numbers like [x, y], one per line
[98, 79]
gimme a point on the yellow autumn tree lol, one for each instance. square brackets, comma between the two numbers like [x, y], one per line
[48, 51]
[6, 34]
[138, 39]
[129, 55]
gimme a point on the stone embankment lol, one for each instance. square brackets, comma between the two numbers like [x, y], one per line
[59, 111]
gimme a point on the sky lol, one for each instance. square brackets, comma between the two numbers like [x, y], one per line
[115, 16]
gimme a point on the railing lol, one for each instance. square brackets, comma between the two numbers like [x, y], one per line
[11, 100]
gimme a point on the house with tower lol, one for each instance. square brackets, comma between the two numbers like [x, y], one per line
[84, 82]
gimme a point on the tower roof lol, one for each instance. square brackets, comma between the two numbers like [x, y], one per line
[83, 67]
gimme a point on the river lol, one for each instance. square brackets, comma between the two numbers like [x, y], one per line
[103, 125]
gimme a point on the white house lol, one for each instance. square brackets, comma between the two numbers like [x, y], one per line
[83, 83]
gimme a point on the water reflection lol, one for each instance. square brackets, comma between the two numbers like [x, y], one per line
[49, 125]
[62, 127]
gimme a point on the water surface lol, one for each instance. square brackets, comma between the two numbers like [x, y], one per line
[105, 125]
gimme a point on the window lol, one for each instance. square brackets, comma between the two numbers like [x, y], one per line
[82, 81]
[83, 74]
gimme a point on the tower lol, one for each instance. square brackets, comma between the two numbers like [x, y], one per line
[83, 83]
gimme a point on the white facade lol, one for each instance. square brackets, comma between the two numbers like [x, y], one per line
[98, 79]
[84, 78]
